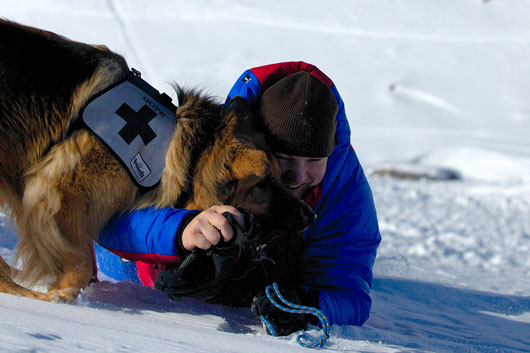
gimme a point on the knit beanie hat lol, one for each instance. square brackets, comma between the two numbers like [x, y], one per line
[299, 113]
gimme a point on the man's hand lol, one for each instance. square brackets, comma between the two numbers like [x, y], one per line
[207, 228]
[203, 273]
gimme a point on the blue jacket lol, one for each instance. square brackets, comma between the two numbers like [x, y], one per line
[341, 243]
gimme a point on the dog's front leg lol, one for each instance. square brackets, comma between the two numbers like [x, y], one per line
[53, 230]
[75, 276]
[53, 243]
[75, 268]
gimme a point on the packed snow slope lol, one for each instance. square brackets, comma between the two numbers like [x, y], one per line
[437, 95]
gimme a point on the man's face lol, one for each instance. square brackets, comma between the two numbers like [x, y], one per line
[300, 174]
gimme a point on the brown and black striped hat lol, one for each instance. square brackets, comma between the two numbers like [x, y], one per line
[298, 113]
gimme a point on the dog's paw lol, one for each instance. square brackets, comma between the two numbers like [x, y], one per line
[65, 295]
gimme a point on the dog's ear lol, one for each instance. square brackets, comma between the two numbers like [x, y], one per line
[241, 110]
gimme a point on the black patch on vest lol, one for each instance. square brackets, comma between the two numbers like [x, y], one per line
[137, 123]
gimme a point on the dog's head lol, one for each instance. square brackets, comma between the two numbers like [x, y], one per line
[239, 170]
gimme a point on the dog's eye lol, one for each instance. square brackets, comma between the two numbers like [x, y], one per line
[261, 185]
[265, 183]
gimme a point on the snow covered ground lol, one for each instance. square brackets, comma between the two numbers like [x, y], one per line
[432, 88]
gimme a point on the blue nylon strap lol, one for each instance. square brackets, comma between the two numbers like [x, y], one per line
[304, 339]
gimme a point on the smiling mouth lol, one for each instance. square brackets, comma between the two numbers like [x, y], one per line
[293, 187]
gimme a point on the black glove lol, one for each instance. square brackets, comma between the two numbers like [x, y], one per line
[283, 322]
[203, 272]
[192, 279]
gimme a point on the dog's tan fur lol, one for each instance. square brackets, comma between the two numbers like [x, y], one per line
[61, 187]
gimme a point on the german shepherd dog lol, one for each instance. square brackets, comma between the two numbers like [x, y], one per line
[61, 185]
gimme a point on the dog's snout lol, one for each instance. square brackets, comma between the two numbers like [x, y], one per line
[307, 217]
[291, 213]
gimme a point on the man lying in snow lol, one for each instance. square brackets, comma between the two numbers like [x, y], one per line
[307, 129]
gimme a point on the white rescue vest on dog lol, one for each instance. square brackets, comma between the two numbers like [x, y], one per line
[136, 123]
